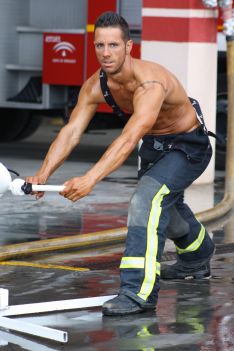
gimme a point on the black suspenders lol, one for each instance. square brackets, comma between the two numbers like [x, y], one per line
[199, 114]
[200, 118]
[116, 109]
[108, 97]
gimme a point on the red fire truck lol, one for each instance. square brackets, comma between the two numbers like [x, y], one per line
[46, 52]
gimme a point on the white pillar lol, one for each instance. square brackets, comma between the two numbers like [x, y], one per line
[182, 36]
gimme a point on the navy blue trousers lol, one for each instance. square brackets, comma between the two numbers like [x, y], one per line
[169, 164]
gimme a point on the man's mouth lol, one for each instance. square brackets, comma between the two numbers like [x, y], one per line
[107, 63]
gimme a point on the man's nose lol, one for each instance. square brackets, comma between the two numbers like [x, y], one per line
[106, 51]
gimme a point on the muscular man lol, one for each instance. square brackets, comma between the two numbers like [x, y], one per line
[175, 151]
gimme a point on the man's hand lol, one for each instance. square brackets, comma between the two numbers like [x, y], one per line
[36, 180]
[78, 187]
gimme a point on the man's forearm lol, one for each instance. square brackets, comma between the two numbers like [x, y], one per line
[112, 159]
[59, 150]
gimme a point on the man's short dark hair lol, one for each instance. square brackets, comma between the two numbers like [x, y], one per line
[113, 19]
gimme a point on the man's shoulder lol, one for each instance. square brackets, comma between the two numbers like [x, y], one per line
[139, 63]
[147, 71]
[93, 79]
[91, 87]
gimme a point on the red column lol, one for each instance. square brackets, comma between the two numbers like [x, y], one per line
[181, 35]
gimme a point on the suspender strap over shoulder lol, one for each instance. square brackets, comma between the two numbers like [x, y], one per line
[107, 95]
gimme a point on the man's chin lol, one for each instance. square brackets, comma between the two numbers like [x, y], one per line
[111, 70]
[108, 69]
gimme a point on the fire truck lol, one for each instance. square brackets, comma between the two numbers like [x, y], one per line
[46, 52]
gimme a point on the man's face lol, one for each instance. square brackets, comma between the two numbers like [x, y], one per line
[110, 48]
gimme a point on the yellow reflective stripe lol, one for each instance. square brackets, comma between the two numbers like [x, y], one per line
[132, 262]
[195, 245]
[152, 244]
[137, 262]
[144, 332]
[90, 28]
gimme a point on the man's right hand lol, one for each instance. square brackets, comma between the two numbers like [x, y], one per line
[36, 180]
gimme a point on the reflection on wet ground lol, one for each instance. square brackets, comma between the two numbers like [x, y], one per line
[52, 217]
[190, 316]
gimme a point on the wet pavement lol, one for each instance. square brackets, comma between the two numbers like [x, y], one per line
[190, 315]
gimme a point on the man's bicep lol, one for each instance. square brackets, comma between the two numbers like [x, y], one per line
[87, 104]
[148, 103]
[146, 110]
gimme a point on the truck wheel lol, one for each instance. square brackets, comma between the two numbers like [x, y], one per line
[221, 130]
[29, 128]
[12, 123]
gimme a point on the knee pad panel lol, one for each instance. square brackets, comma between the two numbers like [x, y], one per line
[141, 201]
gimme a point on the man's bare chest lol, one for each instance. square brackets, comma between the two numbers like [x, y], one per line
[123, 98]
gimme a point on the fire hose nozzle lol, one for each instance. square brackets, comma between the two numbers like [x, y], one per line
[27, 188]
[20, 187]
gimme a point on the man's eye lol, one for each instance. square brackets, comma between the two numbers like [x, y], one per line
[113, 45]
[99, 46]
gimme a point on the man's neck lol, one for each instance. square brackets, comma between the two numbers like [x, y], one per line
[125, 74]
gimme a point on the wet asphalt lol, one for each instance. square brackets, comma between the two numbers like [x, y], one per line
[190, 315]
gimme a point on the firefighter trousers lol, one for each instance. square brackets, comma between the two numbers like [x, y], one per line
[169, 164]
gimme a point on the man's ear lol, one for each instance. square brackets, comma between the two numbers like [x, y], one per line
[129, 45]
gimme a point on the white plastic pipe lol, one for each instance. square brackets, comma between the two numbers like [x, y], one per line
[57, 188]
[25, 343]
[33, 329]
[4, 298]
[52, 306]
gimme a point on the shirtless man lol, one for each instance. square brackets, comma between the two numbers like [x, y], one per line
[175, 151]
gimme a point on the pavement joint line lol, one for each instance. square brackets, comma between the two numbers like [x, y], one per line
[43, 266]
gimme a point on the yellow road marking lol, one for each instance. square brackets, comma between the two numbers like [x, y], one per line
[44, 266]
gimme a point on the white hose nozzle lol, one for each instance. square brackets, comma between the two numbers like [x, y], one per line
[16, 187]
[20, 187]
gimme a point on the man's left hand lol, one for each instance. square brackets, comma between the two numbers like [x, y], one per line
[77, 187]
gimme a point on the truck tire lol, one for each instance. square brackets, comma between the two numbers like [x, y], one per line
[12, 123]
[29, 128]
